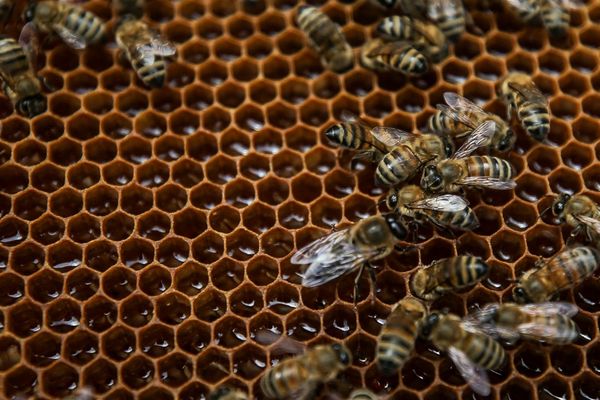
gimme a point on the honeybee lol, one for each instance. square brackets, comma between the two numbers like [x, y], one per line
[446, 275]
[403, 57]
[460, 113]
[554, 14]
[343, 251]
[531, 107]
[397, 338]
[355, 134]
[133, 7]
[565, 270]
[77, 27]
[580, 212]
[407, 153]
[298, 376]
[363, 394]
[471, 350]
[463, 170]
[228, 393]
[326, 37]
[145, 49]
[548, 322]
[19, 82]
[405, 28]
[443, 211]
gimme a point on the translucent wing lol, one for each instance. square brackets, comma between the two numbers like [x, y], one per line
[473, 374]
[28, 39]
[314, 250]
[590, 222]
[455, 115]
[483, 321]
[349, 116]
[542, 331]
[390, 136]
[464, 108]
[71, 39]
[445, 202]
[160, 46]
[530, 92]
[567, 3]
[551, 308]
[524, 6]
[487, 182]
[481, 136]
[438, 9]
[143, 52]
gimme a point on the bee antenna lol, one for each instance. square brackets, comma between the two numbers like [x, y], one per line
[544, 212]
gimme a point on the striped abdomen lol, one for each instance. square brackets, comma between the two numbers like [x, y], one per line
[452, 20]
[568, 268]
[320, 29]
[285, 378]
[534, 117]
[397, 27]
[13, 60]
[406, 60]
[463, 271]
[464, 219]
[555, 18]
[397, 166]
[568, 329]
[397, 339]
[84, 24]
[349, 135]
[488, 166]
[483, 350]
[152, 74]
[442, 124]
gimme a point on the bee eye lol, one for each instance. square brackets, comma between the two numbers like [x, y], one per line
[392, 200]
[519, 295]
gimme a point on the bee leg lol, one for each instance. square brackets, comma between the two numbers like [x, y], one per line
[574, 233]
[356, 281]
[373, 282]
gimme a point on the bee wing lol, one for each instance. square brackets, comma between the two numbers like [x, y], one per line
[488, 182]
[590, 222]
[542, 331]
[530, 92]
[473, 374]
[551, 308]
[455, 115]
[160, 46]
[482, 321]
[440, 8]
[445, 202]
[28, 39]
[567, 3]
[390, 136]
[315, 249]
[478, 138]
[464, 107]
[339, 261]
[71, 39]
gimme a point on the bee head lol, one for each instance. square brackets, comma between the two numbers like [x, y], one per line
[431, 179]
[520, 295]
[398, 229]
[508, 140]
[32, 105]
[342, 353]
[29, 12]
[559, 204]
[430, 322]
[448, 146]
[125, 18]
[392, 200]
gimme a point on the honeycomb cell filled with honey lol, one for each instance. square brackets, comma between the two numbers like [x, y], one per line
[146, 235]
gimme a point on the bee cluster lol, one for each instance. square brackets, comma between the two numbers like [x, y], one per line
[426, 178]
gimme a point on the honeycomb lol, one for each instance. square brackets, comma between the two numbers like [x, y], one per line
[145, 235]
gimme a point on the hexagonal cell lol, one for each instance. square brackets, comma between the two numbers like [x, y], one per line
[82, 284]
[83, 228]
[101, 376]
[21, 381]
[305, 188]
[226, 274]
[64, 104]
[266, 141]
[83, 175]
[117, 173]
[565, 108]
[14, 129]
[156, 340]
[83, 126]
[154, 280]
[137, 372]
[137, 310]
[157, 393]
[63, 315]
[81, 82]
[249, 118]
[281, 116]
[191, 278]
[27, 258]
[565, 181]
[24, 319]
[48, 128]
[30, 205]
[45, 286]
[12, 289]
[42, 349]
[119, 343]
[99, 313]
[314, 113]
[118, 282]
[258, 217]
[292, 215]
[136, 199]
[47, 178]
[30, 152]
[230, 332]
[173, 308]
[282, 298]
[60, 380]
[164, 100]
[274, 191]
[213, 73]
[65, 152]
[254, 166]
